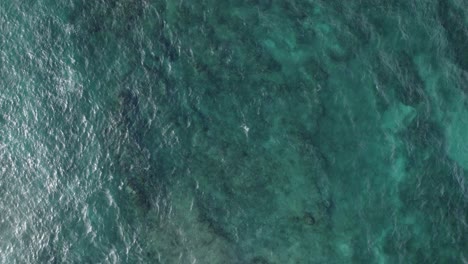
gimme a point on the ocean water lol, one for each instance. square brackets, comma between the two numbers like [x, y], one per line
[259, 131]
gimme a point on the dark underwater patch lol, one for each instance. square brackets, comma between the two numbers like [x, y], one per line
[453, 19]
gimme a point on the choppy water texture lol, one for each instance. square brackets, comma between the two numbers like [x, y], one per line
[234, 131]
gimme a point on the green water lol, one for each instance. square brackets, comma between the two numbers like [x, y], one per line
[260, 131]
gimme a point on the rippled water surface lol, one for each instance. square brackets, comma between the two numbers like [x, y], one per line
[235, 131]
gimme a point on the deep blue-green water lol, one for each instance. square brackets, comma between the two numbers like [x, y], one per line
[234, 131]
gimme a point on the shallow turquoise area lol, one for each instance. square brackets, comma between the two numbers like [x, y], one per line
[260, 131]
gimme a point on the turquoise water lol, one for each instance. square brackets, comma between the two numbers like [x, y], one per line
[261, 131]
